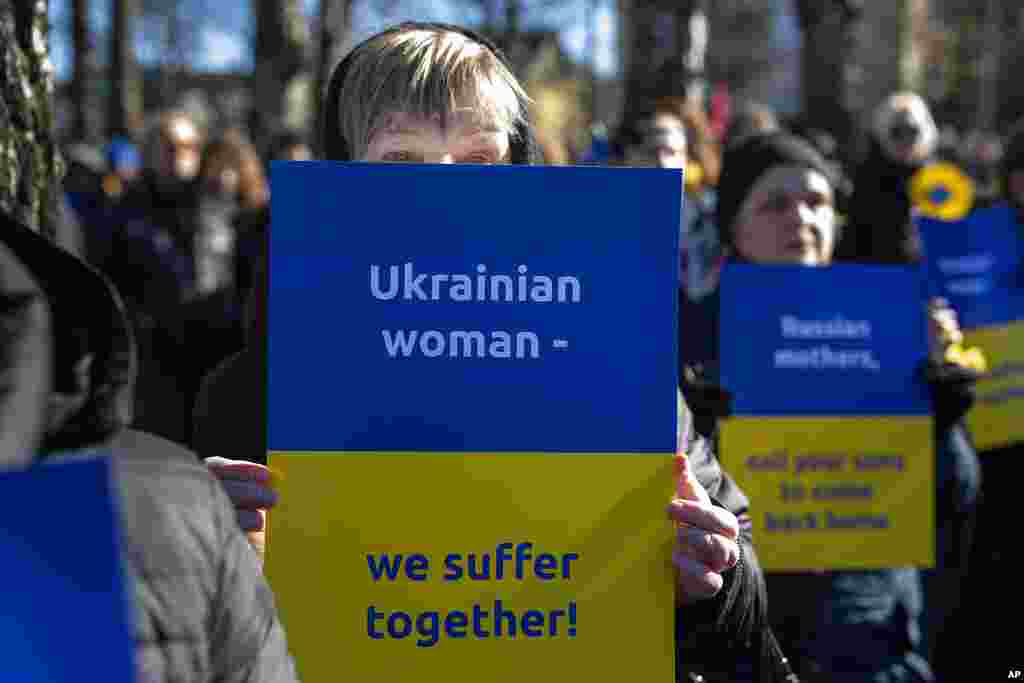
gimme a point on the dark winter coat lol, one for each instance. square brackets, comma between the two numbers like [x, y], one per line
[151, 263]
[879, 227]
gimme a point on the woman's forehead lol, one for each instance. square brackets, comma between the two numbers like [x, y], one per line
[792, 179]
[465, 121]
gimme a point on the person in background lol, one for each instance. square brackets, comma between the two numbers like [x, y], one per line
[827, 146]
[291, 145]
[776, 205]
[124, 164]
[948, 147]
[881, 230]
[749, 118]
[231, 218]
[1011, 171]
[670, 133]
[980, 158]
[1001, 469]
[85, 206]
[94, 184]
[903, 140]
[152, 263]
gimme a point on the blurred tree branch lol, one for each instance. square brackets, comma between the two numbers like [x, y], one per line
[282, 53]
[335, 29]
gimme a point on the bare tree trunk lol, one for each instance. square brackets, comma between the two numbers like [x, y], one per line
[30, 164]
[335, 35]
[125, 108]
[86, 121]
[828, 50]
[281, 50]
[513, 18]
[180, 47]
[590, 52]
[985, 116]
[667, 44]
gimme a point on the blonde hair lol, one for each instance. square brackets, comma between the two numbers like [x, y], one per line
[426, 73]
[701, 146]
[914, 105]
[162, 129]
[232, 149]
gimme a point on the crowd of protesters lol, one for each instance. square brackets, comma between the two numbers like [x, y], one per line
[178, 221]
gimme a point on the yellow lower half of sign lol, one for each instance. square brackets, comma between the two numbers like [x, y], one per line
[836, 492]
[997, 418]
[503, 567]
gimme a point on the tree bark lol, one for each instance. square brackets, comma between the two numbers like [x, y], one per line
[30, 164]
[125, 82]
[335, 35]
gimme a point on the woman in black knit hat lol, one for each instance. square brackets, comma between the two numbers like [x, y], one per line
[776, 205]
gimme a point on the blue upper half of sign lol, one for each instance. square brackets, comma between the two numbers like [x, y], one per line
[472, 308]
[977, 264]
[65, 605]
[842, 340]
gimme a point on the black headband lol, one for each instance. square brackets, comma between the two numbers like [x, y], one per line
[334, 146]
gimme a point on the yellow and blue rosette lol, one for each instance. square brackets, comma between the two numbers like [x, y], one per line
[971, 357]
[693, 176]
[942, 191]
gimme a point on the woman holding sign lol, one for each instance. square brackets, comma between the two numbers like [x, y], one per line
[188, 601]
[776, 206]
[437, 94]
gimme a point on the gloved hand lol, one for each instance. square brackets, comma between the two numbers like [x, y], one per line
[952, 388]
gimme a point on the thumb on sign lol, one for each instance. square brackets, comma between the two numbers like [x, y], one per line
[687, 486]
[706, 538]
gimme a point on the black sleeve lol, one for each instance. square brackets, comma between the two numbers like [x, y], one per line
[739, 609]
[723, 636]
[952, 390]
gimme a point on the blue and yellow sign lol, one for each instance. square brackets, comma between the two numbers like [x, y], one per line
[976, 263]
[830, 436]
[473, 409]
[67, 610]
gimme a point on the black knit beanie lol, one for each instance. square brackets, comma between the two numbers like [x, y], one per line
[335, 147]
[745, 163]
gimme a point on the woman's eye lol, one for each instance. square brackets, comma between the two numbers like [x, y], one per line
[776, 204]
